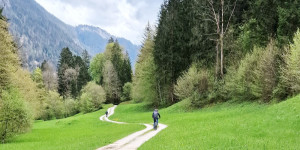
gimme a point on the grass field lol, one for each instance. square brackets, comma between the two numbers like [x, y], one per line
[80, 132]
[223, 126]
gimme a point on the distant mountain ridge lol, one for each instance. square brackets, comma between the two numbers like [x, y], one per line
[42, 36]
[95, 39]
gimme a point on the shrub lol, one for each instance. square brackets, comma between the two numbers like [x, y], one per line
[14, 116]
[290, 72]
[54, 106]
[86, 104]
[194, 84]
[255, 77]
[267, 72]
[126, 95]
[33, 95]
[71, 107]
[92, 97]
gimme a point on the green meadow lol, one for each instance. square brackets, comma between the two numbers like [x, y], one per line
[229, 125]
[80, 132]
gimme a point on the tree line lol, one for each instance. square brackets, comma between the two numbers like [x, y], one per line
[215, 50]
[51, 92]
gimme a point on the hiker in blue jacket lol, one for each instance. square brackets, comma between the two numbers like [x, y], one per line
[155, 116]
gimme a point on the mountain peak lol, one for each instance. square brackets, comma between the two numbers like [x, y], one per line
[88, 28]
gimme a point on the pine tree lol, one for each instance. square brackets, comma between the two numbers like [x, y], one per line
[111, 40]
[126, 74]
[172, 51]
[145, 85]
[65, 62]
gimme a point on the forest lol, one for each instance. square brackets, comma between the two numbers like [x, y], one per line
[203, 52]
[214, 51]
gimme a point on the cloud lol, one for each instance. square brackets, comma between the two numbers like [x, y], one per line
[123, 18]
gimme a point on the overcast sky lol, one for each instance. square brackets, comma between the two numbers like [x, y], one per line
[122, 18]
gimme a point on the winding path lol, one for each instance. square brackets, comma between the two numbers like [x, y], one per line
[134, 140]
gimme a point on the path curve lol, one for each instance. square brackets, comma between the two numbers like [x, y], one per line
[134, 140]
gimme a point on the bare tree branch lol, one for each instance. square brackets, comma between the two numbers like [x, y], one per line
[231, 14]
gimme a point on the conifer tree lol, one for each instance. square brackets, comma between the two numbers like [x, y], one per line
[65, 62]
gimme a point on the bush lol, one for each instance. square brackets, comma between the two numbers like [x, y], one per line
[126, 95]
[54, 106]
[267, 72]
[33, 95]
[194, 84]
[290, 72]
[92, 97]
[71, 107]
[14, 116]
[86, 104]
[255, 77]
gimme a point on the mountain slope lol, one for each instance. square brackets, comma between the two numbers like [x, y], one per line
[94, 39]
[41, 36]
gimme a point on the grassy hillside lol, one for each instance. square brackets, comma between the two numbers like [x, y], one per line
[223, 126]
[83, 131]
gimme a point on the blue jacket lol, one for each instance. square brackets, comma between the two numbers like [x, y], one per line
[155, 114]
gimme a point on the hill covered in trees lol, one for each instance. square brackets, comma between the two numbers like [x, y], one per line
[213, 51]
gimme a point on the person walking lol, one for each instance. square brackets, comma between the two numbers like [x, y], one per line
[155, 116]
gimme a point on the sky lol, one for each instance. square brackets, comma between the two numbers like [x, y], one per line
[122, 18]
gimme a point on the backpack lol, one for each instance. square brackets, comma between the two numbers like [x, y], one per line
[155, 114]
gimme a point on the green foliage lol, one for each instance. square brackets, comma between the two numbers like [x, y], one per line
[72, 73]
[112, 83]
[112, 69]
[86, 104]
[83, 131]
[127, 90]
[267, 72]
[290, 75]
[65, 61]
[54, 106]
[71, 107]
[126, 71]
[194, 84]
[172, 53]
[96, 68]
[241, 83]
[256, 76]
[92, 97]
[14, 115]
[229, 125]
[144, 85]
[83, 75]
[9, 61]
[265, 19]
[37, 77]
[33, 95]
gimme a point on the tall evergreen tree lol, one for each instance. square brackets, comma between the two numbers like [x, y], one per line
[83, 76]
[111, 40]
[126, 72]
[172, 53]
[145, 85]
[65, 62]
[86, 58]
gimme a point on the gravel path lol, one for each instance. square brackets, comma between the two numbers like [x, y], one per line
[134, 140]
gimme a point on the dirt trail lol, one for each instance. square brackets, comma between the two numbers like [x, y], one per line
[134, 140]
